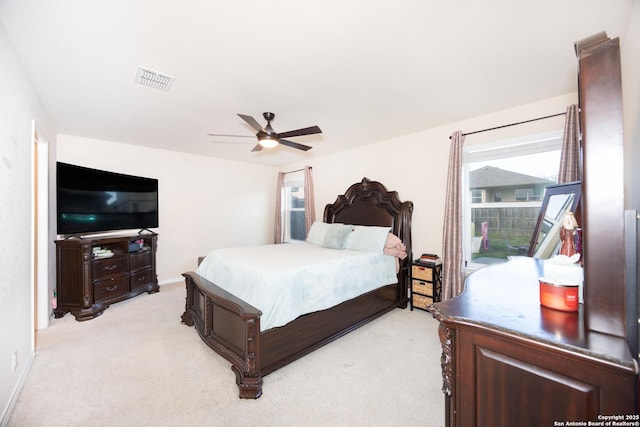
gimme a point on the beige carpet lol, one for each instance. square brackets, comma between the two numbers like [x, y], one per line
[137, 365]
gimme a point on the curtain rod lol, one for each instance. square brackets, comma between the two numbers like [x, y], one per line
[297, 170]
[513, 124]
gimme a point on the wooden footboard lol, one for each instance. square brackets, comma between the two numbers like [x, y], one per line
[231, 327]
[228, 325]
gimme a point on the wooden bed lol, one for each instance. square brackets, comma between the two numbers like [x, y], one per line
[231, 327]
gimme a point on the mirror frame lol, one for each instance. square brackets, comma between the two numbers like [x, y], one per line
[574, 187]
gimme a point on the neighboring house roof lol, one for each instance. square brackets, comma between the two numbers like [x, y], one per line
[490, 176]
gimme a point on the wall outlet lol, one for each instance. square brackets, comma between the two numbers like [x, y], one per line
[14, 361]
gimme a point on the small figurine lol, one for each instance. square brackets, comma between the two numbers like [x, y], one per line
[568, 235]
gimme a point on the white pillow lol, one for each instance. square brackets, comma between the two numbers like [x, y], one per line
[367, 238]
[317, 232]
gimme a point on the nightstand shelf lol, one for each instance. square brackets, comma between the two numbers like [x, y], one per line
[426, 284]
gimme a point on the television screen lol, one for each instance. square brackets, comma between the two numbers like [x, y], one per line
[91, 200]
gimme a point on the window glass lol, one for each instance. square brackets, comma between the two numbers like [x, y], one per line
[503, 189]
[525, 194]
[293, 217]
[476, 196]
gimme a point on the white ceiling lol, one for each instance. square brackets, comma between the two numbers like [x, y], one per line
[364, 70]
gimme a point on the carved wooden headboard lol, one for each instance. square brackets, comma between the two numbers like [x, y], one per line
[370, 203]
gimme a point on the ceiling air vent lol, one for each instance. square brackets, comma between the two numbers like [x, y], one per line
[154, 79]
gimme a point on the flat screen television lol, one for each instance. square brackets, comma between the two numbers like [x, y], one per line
[92, 200]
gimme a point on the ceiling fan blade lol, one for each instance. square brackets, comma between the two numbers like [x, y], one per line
[252, 122]
[233, 136]
[299, 132]
[258, 147]
[295, 145]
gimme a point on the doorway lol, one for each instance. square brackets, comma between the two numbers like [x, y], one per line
[40, 231]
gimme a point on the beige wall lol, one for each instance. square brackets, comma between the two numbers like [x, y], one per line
[416, 165]
[19, 106]
[204, 203]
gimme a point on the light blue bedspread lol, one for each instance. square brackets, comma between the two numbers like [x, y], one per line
[288, 280]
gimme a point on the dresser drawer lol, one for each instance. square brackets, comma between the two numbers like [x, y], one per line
[141, 278]
[109, 289]
[421, 301]
[110, 268]
[423, 288]
[422, 273]
[140, 260]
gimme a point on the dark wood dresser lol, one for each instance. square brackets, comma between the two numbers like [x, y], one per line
[509, 361]
[92, 273]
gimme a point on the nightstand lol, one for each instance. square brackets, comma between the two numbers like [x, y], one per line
[426, 284]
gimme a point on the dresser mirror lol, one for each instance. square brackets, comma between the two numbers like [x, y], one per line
[558, 200]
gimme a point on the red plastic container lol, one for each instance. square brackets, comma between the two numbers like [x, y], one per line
[559, 295]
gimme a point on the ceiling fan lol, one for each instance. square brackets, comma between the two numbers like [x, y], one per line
[268, 138]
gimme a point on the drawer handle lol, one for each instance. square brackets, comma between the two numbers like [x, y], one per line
[110, 267]
[112, 288]
[142, 278]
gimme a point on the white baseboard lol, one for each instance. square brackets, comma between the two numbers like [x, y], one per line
[6, 414]
[170, 281]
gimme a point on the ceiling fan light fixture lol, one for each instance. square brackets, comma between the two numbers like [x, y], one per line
[268, 141]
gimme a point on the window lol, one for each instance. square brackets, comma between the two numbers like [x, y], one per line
[476, 196]
[503, 189]
[293, 217]
[524, 194]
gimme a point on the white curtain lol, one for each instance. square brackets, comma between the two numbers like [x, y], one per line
[452, 274]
